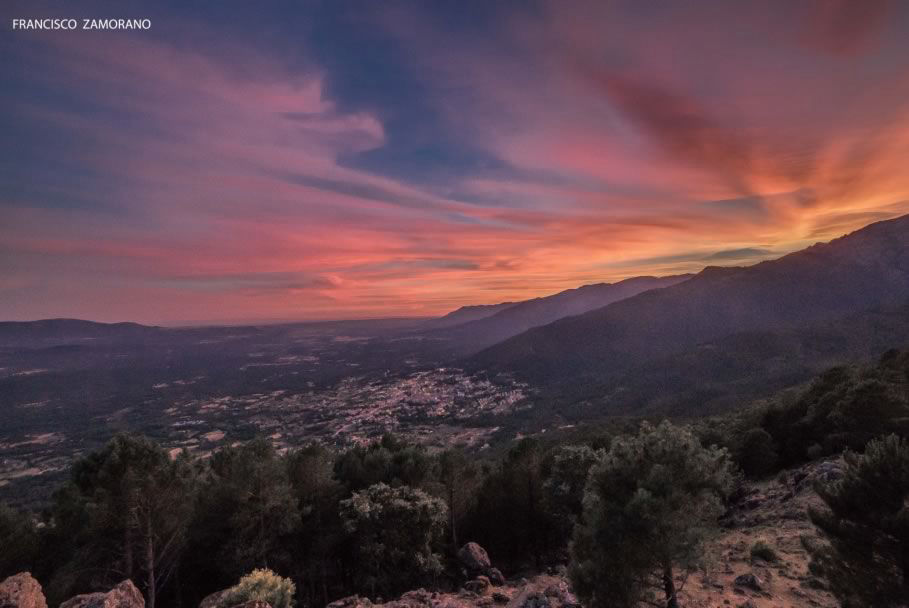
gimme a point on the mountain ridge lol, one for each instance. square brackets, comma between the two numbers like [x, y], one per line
[862, 271]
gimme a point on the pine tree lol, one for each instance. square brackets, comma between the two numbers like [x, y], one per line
[648, 506]
[866, 520]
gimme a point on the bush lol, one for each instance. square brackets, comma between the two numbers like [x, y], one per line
[263, 585]
[761, 550]
[757, 453]
[397, 532]
[867, 527]
[649, 504]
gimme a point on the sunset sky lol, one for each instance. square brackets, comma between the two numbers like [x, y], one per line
[246, 161]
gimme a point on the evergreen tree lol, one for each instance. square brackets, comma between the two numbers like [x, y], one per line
[564, 486]
[127, 508]
[458, 477]
[248, 509]
[647, 508]
[397, 532]
[18, 540]
[867, 523]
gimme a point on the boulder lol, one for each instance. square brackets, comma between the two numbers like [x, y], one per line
[536, 600]
[500, 598]
[21, 591]
[495, 576]
[351, 601]
[124, 595]
[748, 581]
[479, 585]
[253, 604]
[417, 597]
[474, 557]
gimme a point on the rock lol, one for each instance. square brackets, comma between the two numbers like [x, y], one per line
[536, 600]
[417, 597]
[351, 601]
[479, 585]
[828, 471]
[253, 604]
[124, 595]
[21, 591]
[749, 581]
[474, 557]
[213, 600]
[495, 576]
[500, 598]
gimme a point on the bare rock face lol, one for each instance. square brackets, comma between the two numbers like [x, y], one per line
[474, 557]
[21, 591]
[124, 595]
[351, 601]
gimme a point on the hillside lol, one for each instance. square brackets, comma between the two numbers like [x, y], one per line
[518, 317]
[857, 274]
[466, 314]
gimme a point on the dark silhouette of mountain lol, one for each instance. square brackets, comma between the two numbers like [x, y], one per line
[865, 271]
[466, 314]
[521, 316]
[725, 374]
[48, 332]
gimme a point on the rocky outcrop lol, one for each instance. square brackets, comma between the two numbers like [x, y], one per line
[124, 595]
[474, 557]
[21, 591]
[476, 564]
[351, 601]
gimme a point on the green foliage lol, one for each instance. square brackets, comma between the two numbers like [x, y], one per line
[123, 515]
[396, 532]
[19, 540]
[247, 507]
[756, 453]
[262, 585]
[763, 551]
[843, 408]
[648, 506]
[564, 487]
[458, 477]
[511, 518]
[389, 460]
[866, 521]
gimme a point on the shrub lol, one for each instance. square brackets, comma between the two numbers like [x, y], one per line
[867, 526]
[648, 506]
[757, 453]
[397, 532]
[761, 550]
[263, 585]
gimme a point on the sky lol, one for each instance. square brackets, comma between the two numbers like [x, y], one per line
[287, 160]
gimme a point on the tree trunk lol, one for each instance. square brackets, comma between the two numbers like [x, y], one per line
[149, 563]
[669, 587]
[324, 580]
[532, 507]
[451, 518]
[127, 551]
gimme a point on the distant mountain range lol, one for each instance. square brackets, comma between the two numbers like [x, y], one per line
[686, 344]
[485, 326]
[466, 314]
[823, 299]
[48, 332]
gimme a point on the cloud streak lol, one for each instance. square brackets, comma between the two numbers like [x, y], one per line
[158, 178]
